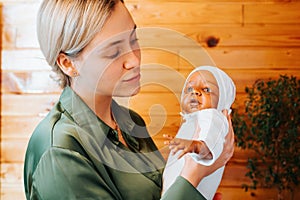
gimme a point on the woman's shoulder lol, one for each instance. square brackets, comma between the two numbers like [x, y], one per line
[41, 134]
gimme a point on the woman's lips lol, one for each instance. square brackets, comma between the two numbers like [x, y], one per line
[133, 78]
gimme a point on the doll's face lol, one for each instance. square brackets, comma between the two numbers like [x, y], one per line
[200, 92]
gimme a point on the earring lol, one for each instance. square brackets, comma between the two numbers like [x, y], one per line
[75, 73]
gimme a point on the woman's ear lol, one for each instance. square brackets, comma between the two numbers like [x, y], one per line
[66, 65]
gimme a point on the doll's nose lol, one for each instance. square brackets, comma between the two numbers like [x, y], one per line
[197, 93]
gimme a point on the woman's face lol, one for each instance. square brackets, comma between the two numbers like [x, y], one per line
[110, 64]
[200, 92]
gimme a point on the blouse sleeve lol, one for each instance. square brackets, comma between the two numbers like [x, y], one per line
[181, 189]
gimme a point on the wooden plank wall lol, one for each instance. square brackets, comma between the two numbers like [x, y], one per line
[253, 39]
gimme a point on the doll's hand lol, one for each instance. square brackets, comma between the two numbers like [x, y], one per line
[189, 146]
[167, 138]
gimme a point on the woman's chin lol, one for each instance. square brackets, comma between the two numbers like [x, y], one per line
[128, 92]
[136, 91]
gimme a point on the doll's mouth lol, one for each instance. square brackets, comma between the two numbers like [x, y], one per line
[194, 103]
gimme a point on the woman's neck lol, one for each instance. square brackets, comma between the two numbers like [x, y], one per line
[103, 110]
[100, 104]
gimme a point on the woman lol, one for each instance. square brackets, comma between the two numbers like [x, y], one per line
[89, 147]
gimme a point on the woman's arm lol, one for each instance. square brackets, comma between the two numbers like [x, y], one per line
[182, 189]
[65, 174]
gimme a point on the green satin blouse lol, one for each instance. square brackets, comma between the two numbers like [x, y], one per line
[72, 154]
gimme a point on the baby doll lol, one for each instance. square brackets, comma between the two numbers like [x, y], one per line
[206, 93]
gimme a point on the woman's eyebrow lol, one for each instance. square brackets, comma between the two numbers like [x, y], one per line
[120, 41]
[113, 43]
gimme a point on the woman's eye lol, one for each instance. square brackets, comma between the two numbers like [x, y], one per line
[208, 90]
[134, 44]
[134, 41]
[116, 54]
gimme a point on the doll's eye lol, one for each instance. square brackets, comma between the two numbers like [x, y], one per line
[189, 90]
[207, 90]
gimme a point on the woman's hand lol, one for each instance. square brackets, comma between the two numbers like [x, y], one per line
[194, 172]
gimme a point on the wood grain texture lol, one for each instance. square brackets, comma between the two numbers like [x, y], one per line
[275, 13]
[185, 13]
[252, 40]
[245, 35]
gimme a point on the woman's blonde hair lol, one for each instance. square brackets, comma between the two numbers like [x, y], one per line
[67, 26]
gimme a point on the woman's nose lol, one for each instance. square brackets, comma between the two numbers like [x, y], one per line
[132, 59]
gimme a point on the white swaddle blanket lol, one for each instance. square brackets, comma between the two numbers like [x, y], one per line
[208, 125]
